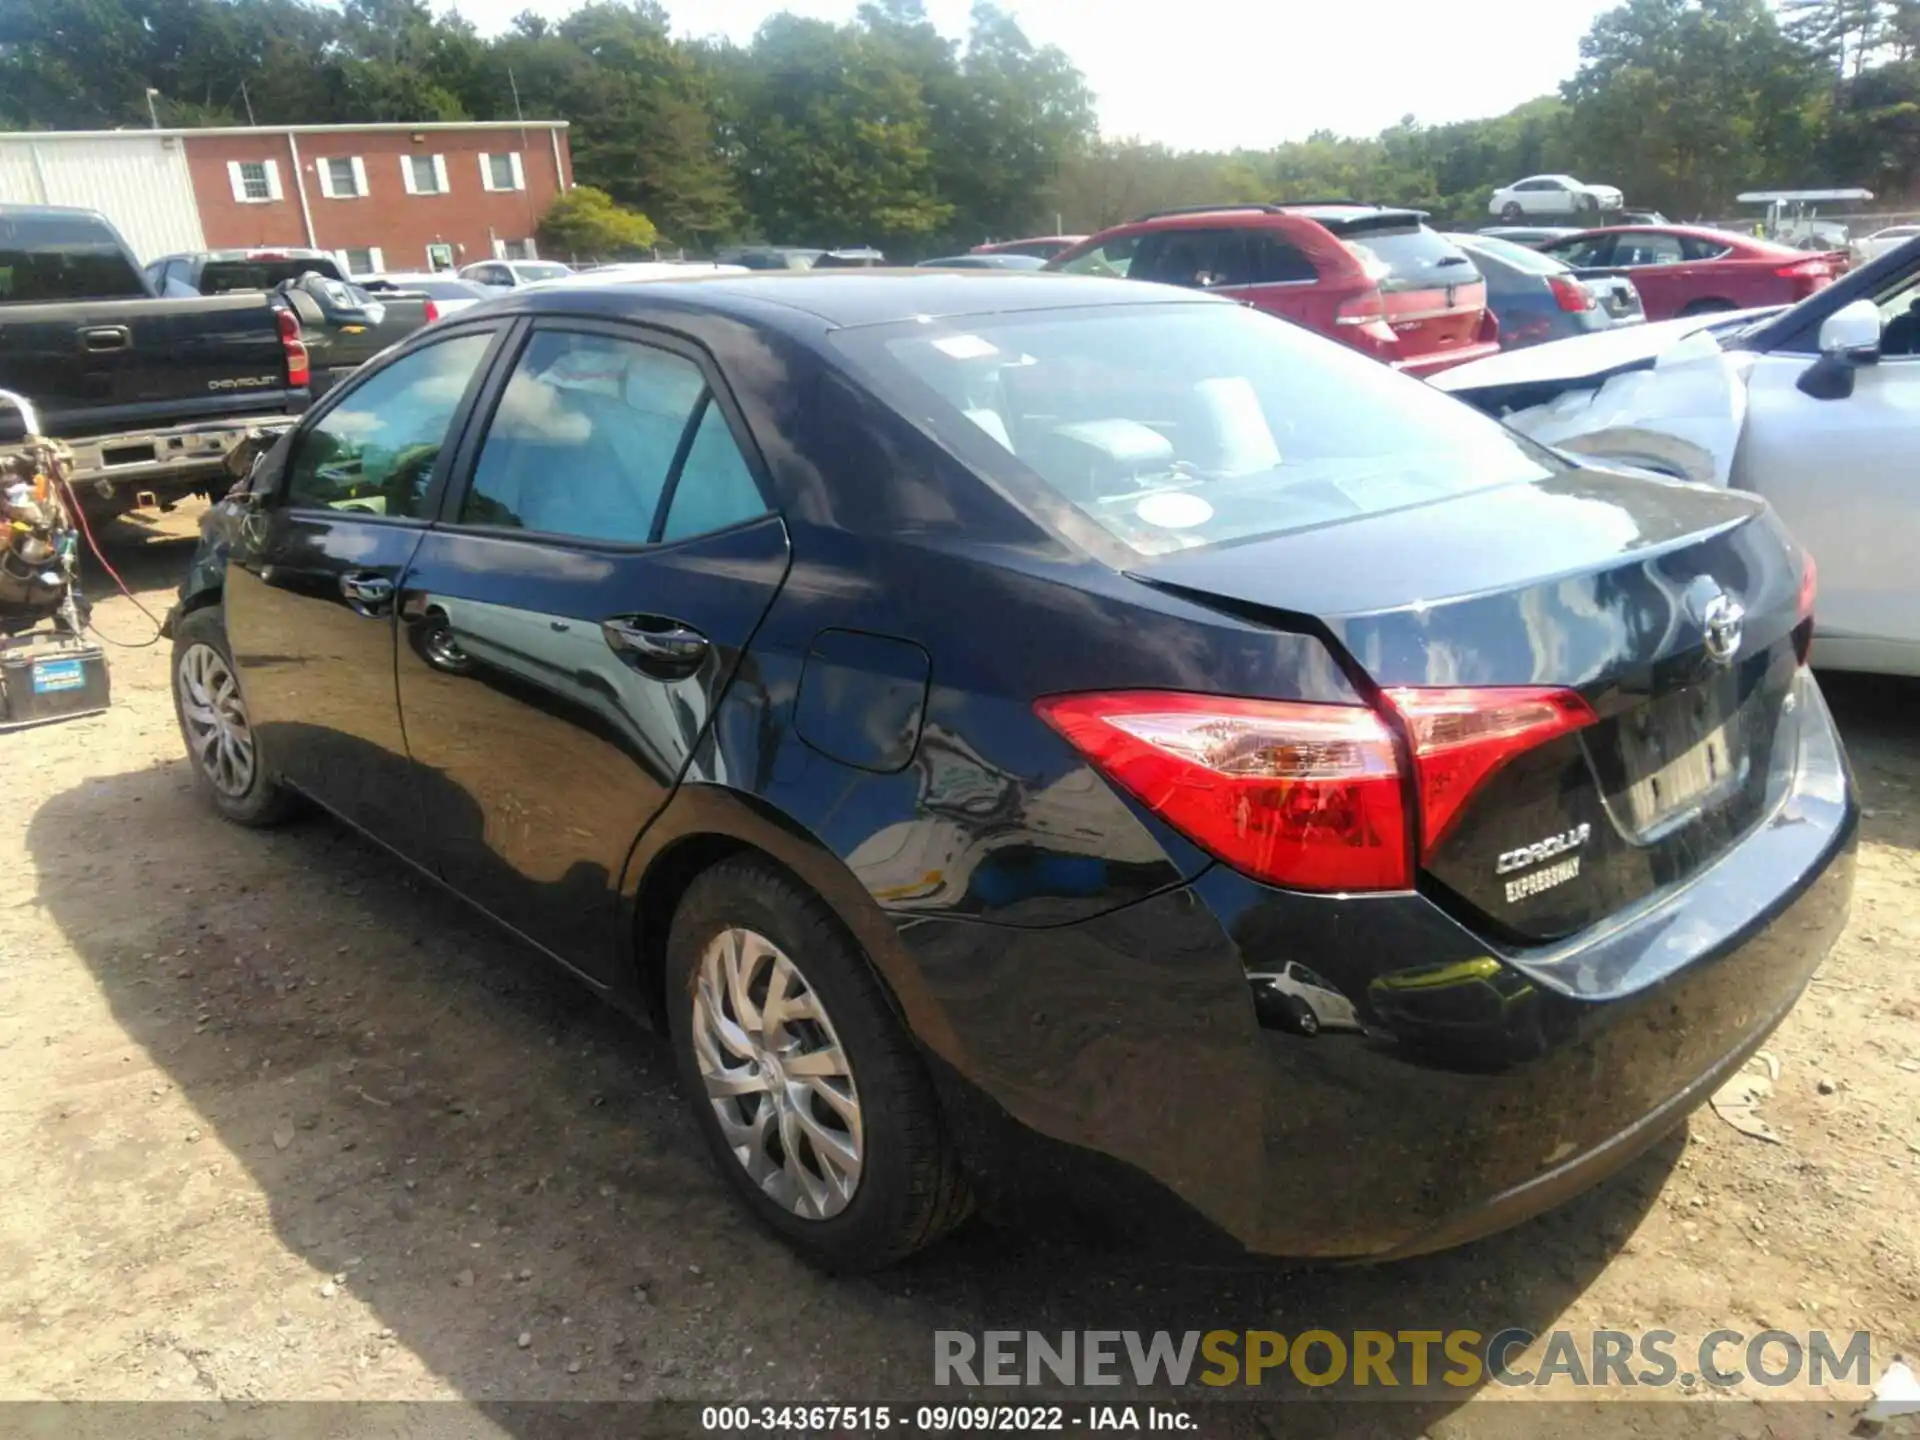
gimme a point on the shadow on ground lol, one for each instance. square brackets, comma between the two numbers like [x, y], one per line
[475, 1148]
[1880, 717]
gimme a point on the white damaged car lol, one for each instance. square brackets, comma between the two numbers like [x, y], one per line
[1815, 407]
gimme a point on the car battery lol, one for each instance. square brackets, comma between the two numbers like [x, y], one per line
[50, 677]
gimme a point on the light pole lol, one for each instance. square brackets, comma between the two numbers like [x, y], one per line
[152, 115]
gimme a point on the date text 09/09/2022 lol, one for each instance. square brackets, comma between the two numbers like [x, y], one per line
[940, 1419]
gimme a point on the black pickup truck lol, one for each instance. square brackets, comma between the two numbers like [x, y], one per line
[149, 394]
[345, 326]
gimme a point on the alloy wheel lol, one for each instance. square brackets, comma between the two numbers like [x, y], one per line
[779, 1082]
[214, 718]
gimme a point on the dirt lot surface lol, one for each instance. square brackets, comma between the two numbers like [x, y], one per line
[282, 1122]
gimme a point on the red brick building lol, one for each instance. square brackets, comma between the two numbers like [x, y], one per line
[384, 197]
[392, 197]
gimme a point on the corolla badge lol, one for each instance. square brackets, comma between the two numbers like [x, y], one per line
[1720, 621]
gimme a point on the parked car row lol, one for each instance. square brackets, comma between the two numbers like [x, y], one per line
[1374, 277]
[1810, 407]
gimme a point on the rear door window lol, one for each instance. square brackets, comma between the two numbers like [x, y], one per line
[1194, 259]
[595, 432]
[1583, 252]
[1696, 247]
[1278, 261]
[1647, 248]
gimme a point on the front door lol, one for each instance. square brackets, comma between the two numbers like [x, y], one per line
[568, 629]
[1845, 477]
[312, 579]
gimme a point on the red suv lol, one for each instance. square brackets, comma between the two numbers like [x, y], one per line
[1374, 278]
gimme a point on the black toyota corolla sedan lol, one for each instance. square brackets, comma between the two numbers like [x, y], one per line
[1028, 738]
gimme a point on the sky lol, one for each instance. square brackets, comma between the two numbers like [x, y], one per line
[1207, 76]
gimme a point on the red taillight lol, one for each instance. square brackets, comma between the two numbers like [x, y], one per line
[1808, 268]
[432, 312]
[293, 348]
[1461, 738]
[1312, 797]
[1569, 294]
[1306, 796]
[1809, 589]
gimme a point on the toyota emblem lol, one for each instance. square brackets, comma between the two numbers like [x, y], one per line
[1720, 623]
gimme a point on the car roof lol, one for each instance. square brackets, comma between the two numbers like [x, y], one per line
[1698, 232]
[877, 296]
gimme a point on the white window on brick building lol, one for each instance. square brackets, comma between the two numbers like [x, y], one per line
[424, 174]
[502, 172]
[342, 177]
[363, 262]
[255, 182]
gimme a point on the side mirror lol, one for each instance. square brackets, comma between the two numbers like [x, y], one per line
[1849, 338]
[1852, 333]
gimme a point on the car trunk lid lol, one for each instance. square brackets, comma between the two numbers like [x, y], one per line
[1672, 612]
[1433, 298]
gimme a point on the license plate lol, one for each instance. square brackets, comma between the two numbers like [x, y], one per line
[1692, 780]
[50, 676]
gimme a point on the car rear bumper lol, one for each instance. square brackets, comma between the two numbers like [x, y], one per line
[161, 460]
[1130, 1067]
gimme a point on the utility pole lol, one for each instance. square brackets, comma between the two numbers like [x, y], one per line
[520, 115]
[247, 100]
[153, 116]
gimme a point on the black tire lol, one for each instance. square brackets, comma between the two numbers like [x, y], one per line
[263, 802]
[1511, 211]
[911, 1190]
[1304, 1019]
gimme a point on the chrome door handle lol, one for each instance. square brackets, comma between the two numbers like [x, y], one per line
[656, 644]
[366, 593]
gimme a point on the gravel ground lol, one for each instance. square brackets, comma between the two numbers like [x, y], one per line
[282, 1122]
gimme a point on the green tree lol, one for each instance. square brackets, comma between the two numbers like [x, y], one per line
[833, 138]
[587, 224]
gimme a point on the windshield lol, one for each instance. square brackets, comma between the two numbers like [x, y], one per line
[223, 277]
[1519, 257]
[542, 272]
[1175, 426]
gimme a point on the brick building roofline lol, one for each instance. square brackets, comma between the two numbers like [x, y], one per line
[382, 125]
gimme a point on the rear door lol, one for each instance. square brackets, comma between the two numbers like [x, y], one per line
[312, 580]
[1283, 281]
[1660, 269]
[1214, 258]
[569, 627]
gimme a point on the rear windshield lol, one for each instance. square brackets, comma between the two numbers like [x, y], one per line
[1517, 257]
[1176, 426]
[1409, 257]
[223, 277]
[56, 258]
[542, 272]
